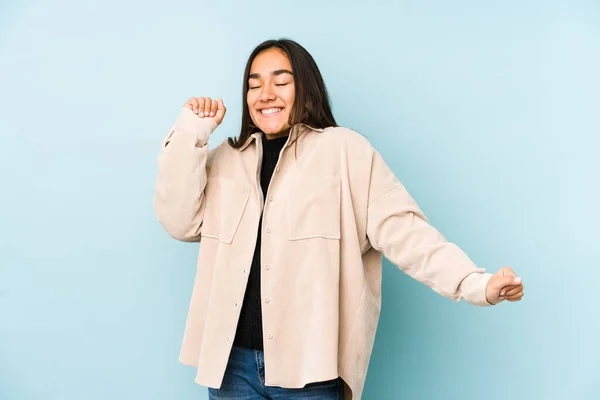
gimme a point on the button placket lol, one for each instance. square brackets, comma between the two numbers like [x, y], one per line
[270, 198]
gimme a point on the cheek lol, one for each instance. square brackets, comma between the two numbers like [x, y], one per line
[251, 109]
[252, 97]
[290, 95]
[249, 103]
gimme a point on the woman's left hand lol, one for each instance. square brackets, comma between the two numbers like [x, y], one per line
[504, 285]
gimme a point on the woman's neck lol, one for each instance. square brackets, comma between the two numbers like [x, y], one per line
[283, 133]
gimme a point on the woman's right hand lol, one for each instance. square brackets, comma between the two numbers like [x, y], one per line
[205, 107]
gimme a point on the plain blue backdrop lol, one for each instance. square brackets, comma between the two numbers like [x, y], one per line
[489, 113]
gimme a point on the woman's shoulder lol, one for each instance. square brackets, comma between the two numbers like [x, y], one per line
[347, 137]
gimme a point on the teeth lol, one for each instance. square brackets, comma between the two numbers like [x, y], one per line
[268, 111]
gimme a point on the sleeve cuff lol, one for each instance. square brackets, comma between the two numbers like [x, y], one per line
[189, 123]
[473, 288]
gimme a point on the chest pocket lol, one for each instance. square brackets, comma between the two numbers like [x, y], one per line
[225, 205]
[314, 208]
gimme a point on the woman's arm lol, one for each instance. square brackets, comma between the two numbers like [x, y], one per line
[397, 227]
[183, 165]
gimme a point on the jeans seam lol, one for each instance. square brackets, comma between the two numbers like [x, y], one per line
[258, 369]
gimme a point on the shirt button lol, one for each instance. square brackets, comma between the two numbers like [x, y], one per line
[235, 305]
[267, 266]
[267, 300]
[271, 197]
[277, 169]
[243, 271]
[268, 230]
[228, 338]
[270, 335]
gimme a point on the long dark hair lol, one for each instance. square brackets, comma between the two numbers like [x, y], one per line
[311, 104]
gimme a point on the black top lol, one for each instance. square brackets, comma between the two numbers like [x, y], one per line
[249, 333]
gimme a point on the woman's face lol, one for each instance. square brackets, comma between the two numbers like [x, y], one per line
[271, 91]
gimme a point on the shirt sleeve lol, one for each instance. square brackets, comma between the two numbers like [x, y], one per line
[183, 164]
[397, 228]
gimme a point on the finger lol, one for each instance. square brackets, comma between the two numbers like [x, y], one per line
[506, 271]
[201, 103]
[506, 288]
[221, 110]
[507, 280]
[213, 108]
[192, 104]
[207, 106]
[519, 293]
[511, 291]
[516, 297]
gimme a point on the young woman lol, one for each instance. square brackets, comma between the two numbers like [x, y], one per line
[294, 216]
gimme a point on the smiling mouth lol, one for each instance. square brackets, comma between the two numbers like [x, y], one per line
[270, 111]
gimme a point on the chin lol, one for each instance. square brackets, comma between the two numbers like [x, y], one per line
[268, 131]
[271, 129]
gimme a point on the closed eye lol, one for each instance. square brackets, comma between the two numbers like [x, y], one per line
[281, 84]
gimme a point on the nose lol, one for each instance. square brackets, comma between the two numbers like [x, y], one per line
[267, 94]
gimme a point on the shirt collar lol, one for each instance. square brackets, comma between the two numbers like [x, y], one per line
[295, 132]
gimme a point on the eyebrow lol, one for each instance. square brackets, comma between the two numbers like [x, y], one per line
[274, 73]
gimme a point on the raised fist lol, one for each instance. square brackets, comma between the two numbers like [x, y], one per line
[205, 107]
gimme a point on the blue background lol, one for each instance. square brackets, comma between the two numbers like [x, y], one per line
[487, 111]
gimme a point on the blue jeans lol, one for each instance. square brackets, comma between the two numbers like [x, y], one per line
[245, 380]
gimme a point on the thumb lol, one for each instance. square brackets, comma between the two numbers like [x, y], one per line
[507, 280]
[221, 110]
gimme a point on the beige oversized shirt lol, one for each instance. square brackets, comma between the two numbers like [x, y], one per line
[332, 209]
